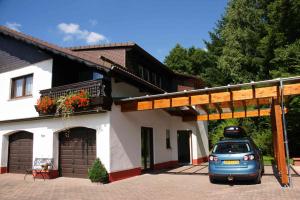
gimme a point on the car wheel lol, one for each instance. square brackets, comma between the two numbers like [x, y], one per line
[257, 180]
[212, 180]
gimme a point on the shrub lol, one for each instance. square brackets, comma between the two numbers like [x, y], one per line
[98, 173]
[218, 132]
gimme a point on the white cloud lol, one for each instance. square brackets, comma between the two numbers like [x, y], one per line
[69, 28]
[72, 31]
[94, 37]
[13, 25]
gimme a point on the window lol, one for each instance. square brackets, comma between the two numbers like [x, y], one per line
[141, 71]
[159, 81]
[232, 147]
[147, 75]
[22, 86]
[97, 75]
[153, 78]
[168, 139]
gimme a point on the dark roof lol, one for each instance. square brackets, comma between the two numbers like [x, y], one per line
[102, 46]
[80, 56]
[55, 49]
[143, 51]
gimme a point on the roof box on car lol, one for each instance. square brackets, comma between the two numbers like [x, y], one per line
[234, 132]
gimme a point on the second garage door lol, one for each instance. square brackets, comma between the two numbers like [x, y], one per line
[77, 152]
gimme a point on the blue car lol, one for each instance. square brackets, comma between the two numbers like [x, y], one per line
[236, 159]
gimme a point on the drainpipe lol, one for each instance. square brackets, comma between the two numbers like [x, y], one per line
[285, 133]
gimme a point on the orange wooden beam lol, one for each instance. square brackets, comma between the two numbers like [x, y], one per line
[162, 103]
[279, 142]
[292, 89]
[230, 115]
[250, 96]
[180, 101]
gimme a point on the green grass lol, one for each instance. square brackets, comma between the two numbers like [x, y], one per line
[268, 160]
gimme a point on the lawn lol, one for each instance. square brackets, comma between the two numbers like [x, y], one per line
[268, 160]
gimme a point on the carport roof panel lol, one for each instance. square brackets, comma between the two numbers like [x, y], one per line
[219, 89]
[231, 101]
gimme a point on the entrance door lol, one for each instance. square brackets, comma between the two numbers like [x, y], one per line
[183, 141]
[147, 148]
[77, 152]
[20, 152]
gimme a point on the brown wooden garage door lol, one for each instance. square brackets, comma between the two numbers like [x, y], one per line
[77, 152]
[20, 152]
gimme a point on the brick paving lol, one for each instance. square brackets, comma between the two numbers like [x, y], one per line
[185, 182]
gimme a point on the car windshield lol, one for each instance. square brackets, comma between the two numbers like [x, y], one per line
[231, 147]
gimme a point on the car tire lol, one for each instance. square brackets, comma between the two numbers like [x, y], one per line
[257, 180]
[212, 180]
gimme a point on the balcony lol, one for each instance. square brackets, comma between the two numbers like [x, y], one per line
[99, 92]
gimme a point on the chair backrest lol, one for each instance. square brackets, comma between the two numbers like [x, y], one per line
[38, 162]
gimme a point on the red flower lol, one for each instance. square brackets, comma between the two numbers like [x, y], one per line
[77, 100]
[45, 104]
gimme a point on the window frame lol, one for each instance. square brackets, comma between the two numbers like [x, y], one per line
[13, 86]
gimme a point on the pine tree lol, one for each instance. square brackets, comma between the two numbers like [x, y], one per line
[98, 172]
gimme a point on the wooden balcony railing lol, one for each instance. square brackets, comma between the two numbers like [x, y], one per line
[99, 92]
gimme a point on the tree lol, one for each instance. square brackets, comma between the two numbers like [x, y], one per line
[178, 60]
[253, 40]
[286, 60]
[240, 61]
[193, 61]
[98, 172]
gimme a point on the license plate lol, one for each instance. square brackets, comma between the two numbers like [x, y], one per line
[231, 162]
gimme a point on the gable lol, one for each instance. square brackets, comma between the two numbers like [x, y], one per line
[15, 54]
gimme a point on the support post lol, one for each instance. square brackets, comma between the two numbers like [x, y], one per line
[279, 149]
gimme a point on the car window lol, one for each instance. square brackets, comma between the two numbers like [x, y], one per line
[232, 147]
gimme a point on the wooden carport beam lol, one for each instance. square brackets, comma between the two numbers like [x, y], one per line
[214, 97]
[278, 142]
[231, 115]
[184, 101]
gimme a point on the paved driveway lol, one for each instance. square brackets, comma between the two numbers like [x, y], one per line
[184, 183]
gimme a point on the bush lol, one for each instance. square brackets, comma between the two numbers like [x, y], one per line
[98, 172]
[218, 132]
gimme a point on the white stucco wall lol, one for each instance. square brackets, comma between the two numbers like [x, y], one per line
[125, 137]
[122, 89]
[24, 107]
[45, 135]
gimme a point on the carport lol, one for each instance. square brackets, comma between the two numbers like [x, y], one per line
[254, 99]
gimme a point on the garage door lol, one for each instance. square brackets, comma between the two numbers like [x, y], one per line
[77, 152]
[20, 152]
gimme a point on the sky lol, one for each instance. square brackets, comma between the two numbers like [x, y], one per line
[155, 25]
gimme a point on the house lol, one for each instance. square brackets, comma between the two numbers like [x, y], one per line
[127, 143]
